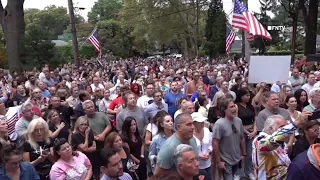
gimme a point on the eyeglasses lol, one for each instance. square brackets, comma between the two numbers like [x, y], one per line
[234, 129]
[15, 163]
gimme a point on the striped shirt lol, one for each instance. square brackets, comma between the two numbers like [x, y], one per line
[125, 176]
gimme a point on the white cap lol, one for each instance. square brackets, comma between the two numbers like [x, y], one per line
[197, 117]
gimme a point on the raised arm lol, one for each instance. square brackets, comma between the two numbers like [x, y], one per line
[267, 143]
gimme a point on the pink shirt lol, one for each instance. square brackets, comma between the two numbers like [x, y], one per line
[75, 170]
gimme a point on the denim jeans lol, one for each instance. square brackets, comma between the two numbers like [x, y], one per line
[209, 172]
[230, 171]
[248, 163]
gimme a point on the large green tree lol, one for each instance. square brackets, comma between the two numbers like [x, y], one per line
[43, 26]
[104, 10]
[167, 23]
[215, 31]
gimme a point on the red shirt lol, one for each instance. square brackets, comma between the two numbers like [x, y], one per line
[114, 105]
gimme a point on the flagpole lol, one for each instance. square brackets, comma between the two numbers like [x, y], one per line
[74, 34]
[244, 37]
[247, 45]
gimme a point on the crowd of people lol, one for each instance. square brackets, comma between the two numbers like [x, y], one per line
[159, 119]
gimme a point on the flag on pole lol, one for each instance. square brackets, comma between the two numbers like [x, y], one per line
[244, 20]
[93, 39]
[230, 37]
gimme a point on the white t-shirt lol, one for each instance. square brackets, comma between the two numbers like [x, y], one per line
[143, 101]
[177, 113]
[204, 146]
[93, 87]
[307, 87]
[152, 128]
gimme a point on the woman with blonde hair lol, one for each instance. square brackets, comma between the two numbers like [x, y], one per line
[82, 140]
[38, 148]
[57, 128]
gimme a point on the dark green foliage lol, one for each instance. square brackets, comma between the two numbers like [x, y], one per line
[215, 31]
[104, 10]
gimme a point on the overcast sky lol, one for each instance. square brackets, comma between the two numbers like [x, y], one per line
[254, 5]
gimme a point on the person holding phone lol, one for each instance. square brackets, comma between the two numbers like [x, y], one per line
[38, 148]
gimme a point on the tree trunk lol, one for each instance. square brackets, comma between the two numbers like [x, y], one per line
[13, 26]
[310, 19]
[293, 39]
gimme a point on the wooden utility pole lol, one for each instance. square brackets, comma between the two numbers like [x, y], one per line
[74, 34]
[244, 37]
[198, 16]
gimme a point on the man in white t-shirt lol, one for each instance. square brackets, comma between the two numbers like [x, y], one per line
[96, 84]
[309, 85]
[147, 99]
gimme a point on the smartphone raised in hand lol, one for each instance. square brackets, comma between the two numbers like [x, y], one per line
[315, 115]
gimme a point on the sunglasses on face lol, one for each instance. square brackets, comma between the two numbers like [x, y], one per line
[234, 129]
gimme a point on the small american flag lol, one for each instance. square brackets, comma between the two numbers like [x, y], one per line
[93, 39]
[244, 20]
[230, 37]
[12, 116]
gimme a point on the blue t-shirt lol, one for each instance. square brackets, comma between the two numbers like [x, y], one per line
[173, 101]
[46, 94]
[27, 171]
[194, 96]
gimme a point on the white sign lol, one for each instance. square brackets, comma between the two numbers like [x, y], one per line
[276, 28]
[269, 69]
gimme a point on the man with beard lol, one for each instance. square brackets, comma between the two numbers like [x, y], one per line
[228, 141]
[172, 98]
[31, 83]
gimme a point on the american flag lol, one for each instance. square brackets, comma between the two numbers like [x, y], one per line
[244, 20]
[93, 39]
[12, 116]
[230, 37]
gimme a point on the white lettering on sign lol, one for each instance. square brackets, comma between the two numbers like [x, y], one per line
[276, 28]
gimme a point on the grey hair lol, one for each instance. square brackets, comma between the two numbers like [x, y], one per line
[180, 119]
[186, 105]
[313, 92]
[178, 152]
[216, 98]
[219, 78]
[25, 105]
[87, 102]
[270, 123]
